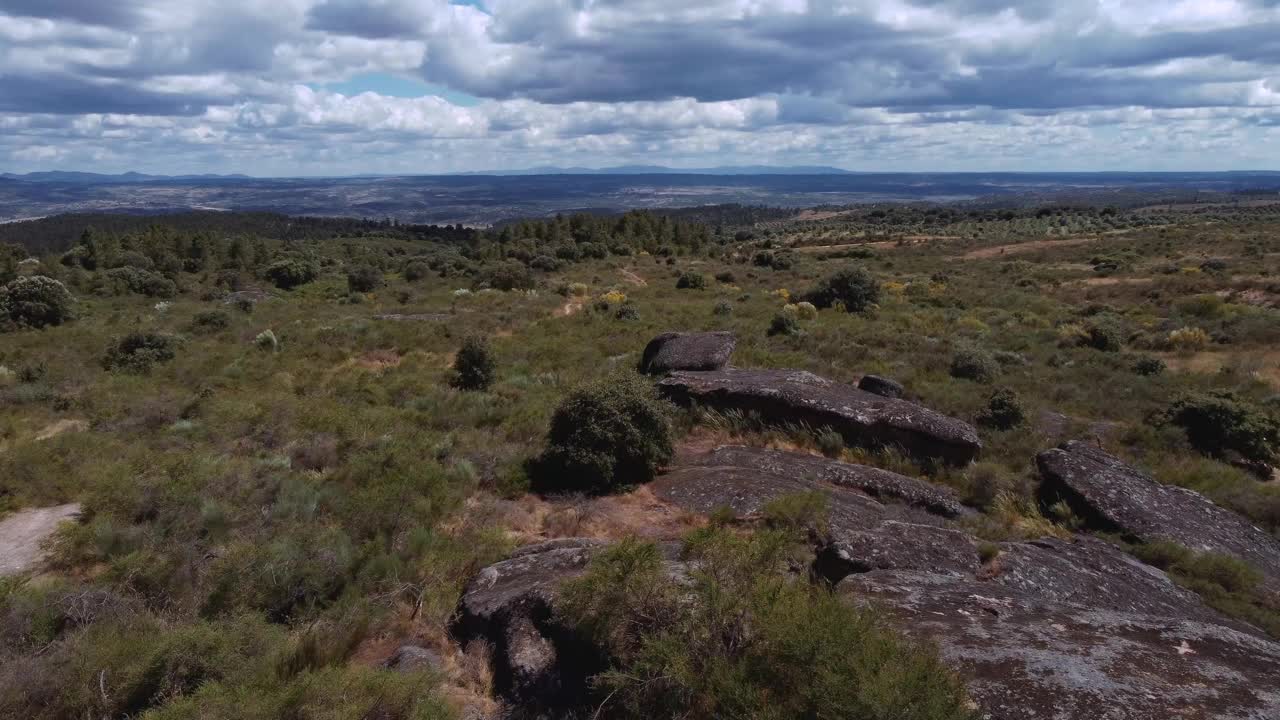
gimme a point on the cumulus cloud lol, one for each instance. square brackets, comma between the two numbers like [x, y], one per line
[240, 85]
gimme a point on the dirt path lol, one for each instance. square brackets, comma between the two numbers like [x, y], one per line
[1026, 247]
[22, 533]
[633, 278]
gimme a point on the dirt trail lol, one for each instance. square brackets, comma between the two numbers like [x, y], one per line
[633, 278]
[1026, 247]
[22, 533]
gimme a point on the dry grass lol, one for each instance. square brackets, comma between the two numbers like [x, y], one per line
[1026, 247]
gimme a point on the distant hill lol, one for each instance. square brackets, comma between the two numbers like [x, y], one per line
[87, 178]
[663, 170]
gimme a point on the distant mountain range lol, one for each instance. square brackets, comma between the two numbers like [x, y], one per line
[88, 178]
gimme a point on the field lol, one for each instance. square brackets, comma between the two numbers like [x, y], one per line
[302, 489]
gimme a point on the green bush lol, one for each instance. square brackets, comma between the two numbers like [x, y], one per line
[1220, 424]
[690, 280]
[506, 276]
[785, 324]
[627, 312]
[1148, 366]
[973, 363]
[36, 302]
[416, 270]
[1003, 411]
[724, 308]
[744, 639]
[474, 366]
[138, 352]
[607, 435]
[289, 273]
[364, 279]
[130, 279]
[855, 288]
[1105, 333]
[210, 321]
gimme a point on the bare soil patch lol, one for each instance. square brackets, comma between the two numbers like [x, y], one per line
[1026, 247]
[23, 534]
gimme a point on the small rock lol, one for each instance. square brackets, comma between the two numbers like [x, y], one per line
[411, 658]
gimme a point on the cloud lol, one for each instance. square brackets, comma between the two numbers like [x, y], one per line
[234, 85]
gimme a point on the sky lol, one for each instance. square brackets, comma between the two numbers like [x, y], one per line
[342, 87]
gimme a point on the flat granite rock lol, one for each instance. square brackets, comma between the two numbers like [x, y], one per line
[1070, 630]
[687, 351]
[863, 419]
[1115, 497]
[815, 472]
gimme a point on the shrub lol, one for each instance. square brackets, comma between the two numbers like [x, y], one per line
[1188, 339]
[723, 308]
[267, 341]
[627, 312]
[416, 270]
[973, 363]
[1219, 424]
[364, 279]
[603, 436]
[1105, 333]
[784, 324]
[831, 443]
[138, 352]
[210, 321]
[854, 288]
[289, 273]
[727, 277]
[801, 310]
[1003, 411]
[506, 276]
[474, 366]
[1148, 366]
[35, 301]
[140, 282]
[745, 639]
[691, 281]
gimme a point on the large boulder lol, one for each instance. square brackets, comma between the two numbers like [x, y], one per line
[1111, 496]
[1069, 630]
[798, 397]
[687, 351]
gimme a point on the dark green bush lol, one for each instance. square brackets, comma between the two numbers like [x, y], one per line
[973, 363]
[1003, 411]
[416, 270]
[364, 279]
[723, 308]
[855, 288]
[607, 435]
[35, 301]
[744, 639]
[1220, 424]
[627, 312]
[690, 280]
[784, 324]
[1148, 366]
[139, 282]
[138, 352]
[289, 273]
[210, 321]
[726, 277]
[475, 366]
[1105, 333]
[506, 276]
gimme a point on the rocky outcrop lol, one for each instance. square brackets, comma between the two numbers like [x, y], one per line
[1050, 629]
[724, 478]
[413, 658]
[798, 397]
[1070, 630]
[539, 666]
[882, 386]
[687, 351]
[1112, 496]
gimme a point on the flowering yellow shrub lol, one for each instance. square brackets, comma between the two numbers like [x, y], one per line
[783, 293]
[893, 288]
[971, 324]
[614, 297]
